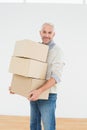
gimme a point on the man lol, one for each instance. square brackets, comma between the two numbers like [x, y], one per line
[45, 109]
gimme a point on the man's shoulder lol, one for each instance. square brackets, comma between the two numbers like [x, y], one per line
[57, 51]
[57, 48]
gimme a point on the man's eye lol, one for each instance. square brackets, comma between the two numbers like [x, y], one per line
[44, 32]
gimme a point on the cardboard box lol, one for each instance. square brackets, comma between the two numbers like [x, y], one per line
[31, 49]
[23, 85]
[28, 67]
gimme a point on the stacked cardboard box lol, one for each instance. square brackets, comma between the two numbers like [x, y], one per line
[28, 65]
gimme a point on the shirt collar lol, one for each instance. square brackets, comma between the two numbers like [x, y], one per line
[51, 44]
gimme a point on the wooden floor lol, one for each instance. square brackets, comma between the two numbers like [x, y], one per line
[22, 123]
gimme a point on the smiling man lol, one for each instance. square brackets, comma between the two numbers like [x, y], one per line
[47, 33]
[45, 109]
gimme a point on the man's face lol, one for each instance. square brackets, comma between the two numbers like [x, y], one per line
[47, 34]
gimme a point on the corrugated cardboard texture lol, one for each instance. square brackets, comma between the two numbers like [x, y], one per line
[28, 67]
[22, 85]
[31, 49]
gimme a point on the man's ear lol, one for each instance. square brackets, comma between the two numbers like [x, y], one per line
[40, 32]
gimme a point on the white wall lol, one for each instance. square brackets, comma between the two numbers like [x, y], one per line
[23, 21]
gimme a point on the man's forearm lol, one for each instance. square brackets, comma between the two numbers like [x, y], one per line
[48, 84]
[34, 95]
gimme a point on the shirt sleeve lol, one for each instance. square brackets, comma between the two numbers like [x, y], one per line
[57, 65]
[57, 79]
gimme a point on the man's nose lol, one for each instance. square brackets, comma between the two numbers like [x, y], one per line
[47, 34]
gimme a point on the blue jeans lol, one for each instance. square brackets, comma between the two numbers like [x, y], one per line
[43, 110]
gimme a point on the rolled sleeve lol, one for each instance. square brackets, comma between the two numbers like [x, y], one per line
[57, 79]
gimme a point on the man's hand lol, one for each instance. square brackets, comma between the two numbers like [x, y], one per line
[34, 95]
[11, 91]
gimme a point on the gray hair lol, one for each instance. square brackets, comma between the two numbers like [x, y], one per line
[47, 23]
